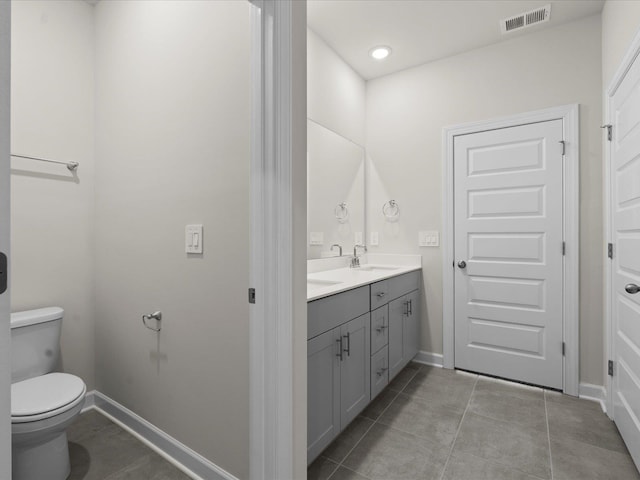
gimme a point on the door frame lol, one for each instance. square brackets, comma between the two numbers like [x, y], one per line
[569, 114]
[609, 345]
[278, 318]
[5, 331]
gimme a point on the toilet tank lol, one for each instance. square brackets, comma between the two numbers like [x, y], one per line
[35, 342]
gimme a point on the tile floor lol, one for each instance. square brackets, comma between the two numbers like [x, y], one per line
[101, 450]
[431, 423]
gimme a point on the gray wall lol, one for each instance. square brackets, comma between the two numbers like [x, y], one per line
[52, 211]
[620, 24]
[406, 112]
[173, 148]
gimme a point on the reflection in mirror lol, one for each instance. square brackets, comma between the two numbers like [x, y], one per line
[335, 202]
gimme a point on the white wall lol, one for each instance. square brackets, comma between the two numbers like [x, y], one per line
[173, 90]
[406, 112]
[620, 24]
[52, 116]
[335, 92]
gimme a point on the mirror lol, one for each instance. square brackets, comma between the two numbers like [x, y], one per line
[335, 192]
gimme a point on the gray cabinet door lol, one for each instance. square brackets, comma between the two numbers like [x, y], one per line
[323, 392]
[397, 313]
[355, 366]
[410, 329]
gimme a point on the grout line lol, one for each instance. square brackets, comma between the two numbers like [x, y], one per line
[374, 422]
[453, 444]
[546, 415]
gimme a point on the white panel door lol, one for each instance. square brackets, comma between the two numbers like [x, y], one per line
[508, 251]
[5, 332]
[625, 216]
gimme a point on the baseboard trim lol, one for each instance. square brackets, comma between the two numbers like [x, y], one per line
[428, 358]
[175, 452]
[596, 393]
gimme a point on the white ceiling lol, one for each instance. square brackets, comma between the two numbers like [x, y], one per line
[421, 31]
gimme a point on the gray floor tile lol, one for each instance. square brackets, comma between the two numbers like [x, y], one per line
[577, 460]
[105, 453]
[523, 410]
[379, 404]
[442, 387]
[402, 379]
[508, 388]
[150, 467]
[584, 422]
[342, 445]
[389, 454]
[470, 467]
[502, 442]
[87, 424]
[573, 402]
[415, 415]
[321, 469]
[346, 474]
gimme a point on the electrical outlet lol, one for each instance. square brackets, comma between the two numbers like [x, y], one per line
[316, 238]
[375, 239]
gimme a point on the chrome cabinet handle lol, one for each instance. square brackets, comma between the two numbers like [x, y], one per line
[348, 349]
[152, 316]
[381, 328]
[631, 288]
[339, 354]
[462, 264]
[410, 307]
[380, 294]
[406, 312]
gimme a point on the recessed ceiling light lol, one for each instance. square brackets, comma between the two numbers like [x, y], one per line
[381, 52]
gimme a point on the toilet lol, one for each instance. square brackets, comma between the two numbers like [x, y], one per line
[43, 402]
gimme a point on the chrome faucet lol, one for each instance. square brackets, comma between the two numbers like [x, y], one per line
[339, 247]
[355, 260]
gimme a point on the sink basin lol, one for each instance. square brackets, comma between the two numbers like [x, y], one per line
[379, 268]
[312, 284]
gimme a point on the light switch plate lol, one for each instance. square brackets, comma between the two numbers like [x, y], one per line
[316, 238]
[193, 239]
[375, 239]
[429, 239]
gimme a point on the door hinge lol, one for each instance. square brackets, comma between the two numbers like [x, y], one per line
[564, 248]
[564, 146]
[563, 348]
[610, 250]
[609, 128]
[610, 368]
[252, 295]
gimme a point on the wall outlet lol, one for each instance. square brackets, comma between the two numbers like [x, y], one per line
[358, 238]
[193, 239]
[429, 239]
[374, 240]
[316, 238]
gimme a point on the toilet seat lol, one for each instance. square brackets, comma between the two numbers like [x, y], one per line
[45, 396]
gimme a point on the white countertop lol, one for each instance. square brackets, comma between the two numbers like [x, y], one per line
[327, 277]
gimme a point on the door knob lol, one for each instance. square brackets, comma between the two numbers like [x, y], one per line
[462, 264]
[631, 288]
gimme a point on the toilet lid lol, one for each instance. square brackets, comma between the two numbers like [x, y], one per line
[45, 393]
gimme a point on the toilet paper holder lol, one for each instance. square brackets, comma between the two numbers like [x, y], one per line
[152, 316]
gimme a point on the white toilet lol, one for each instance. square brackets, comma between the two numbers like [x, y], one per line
[43, 404]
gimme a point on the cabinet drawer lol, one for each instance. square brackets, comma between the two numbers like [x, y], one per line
[379, 294]
[379, 372]
[379, 328]
[330, 312]
[402, 284]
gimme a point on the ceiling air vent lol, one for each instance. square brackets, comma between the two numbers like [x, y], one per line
[526, 19]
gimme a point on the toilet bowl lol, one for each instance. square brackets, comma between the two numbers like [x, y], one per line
[43, 404]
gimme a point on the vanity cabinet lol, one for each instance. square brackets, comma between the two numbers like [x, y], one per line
[338, 364]
[358, 341]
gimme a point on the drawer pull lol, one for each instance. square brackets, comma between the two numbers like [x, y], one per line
[381, 328]
[380, 294]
